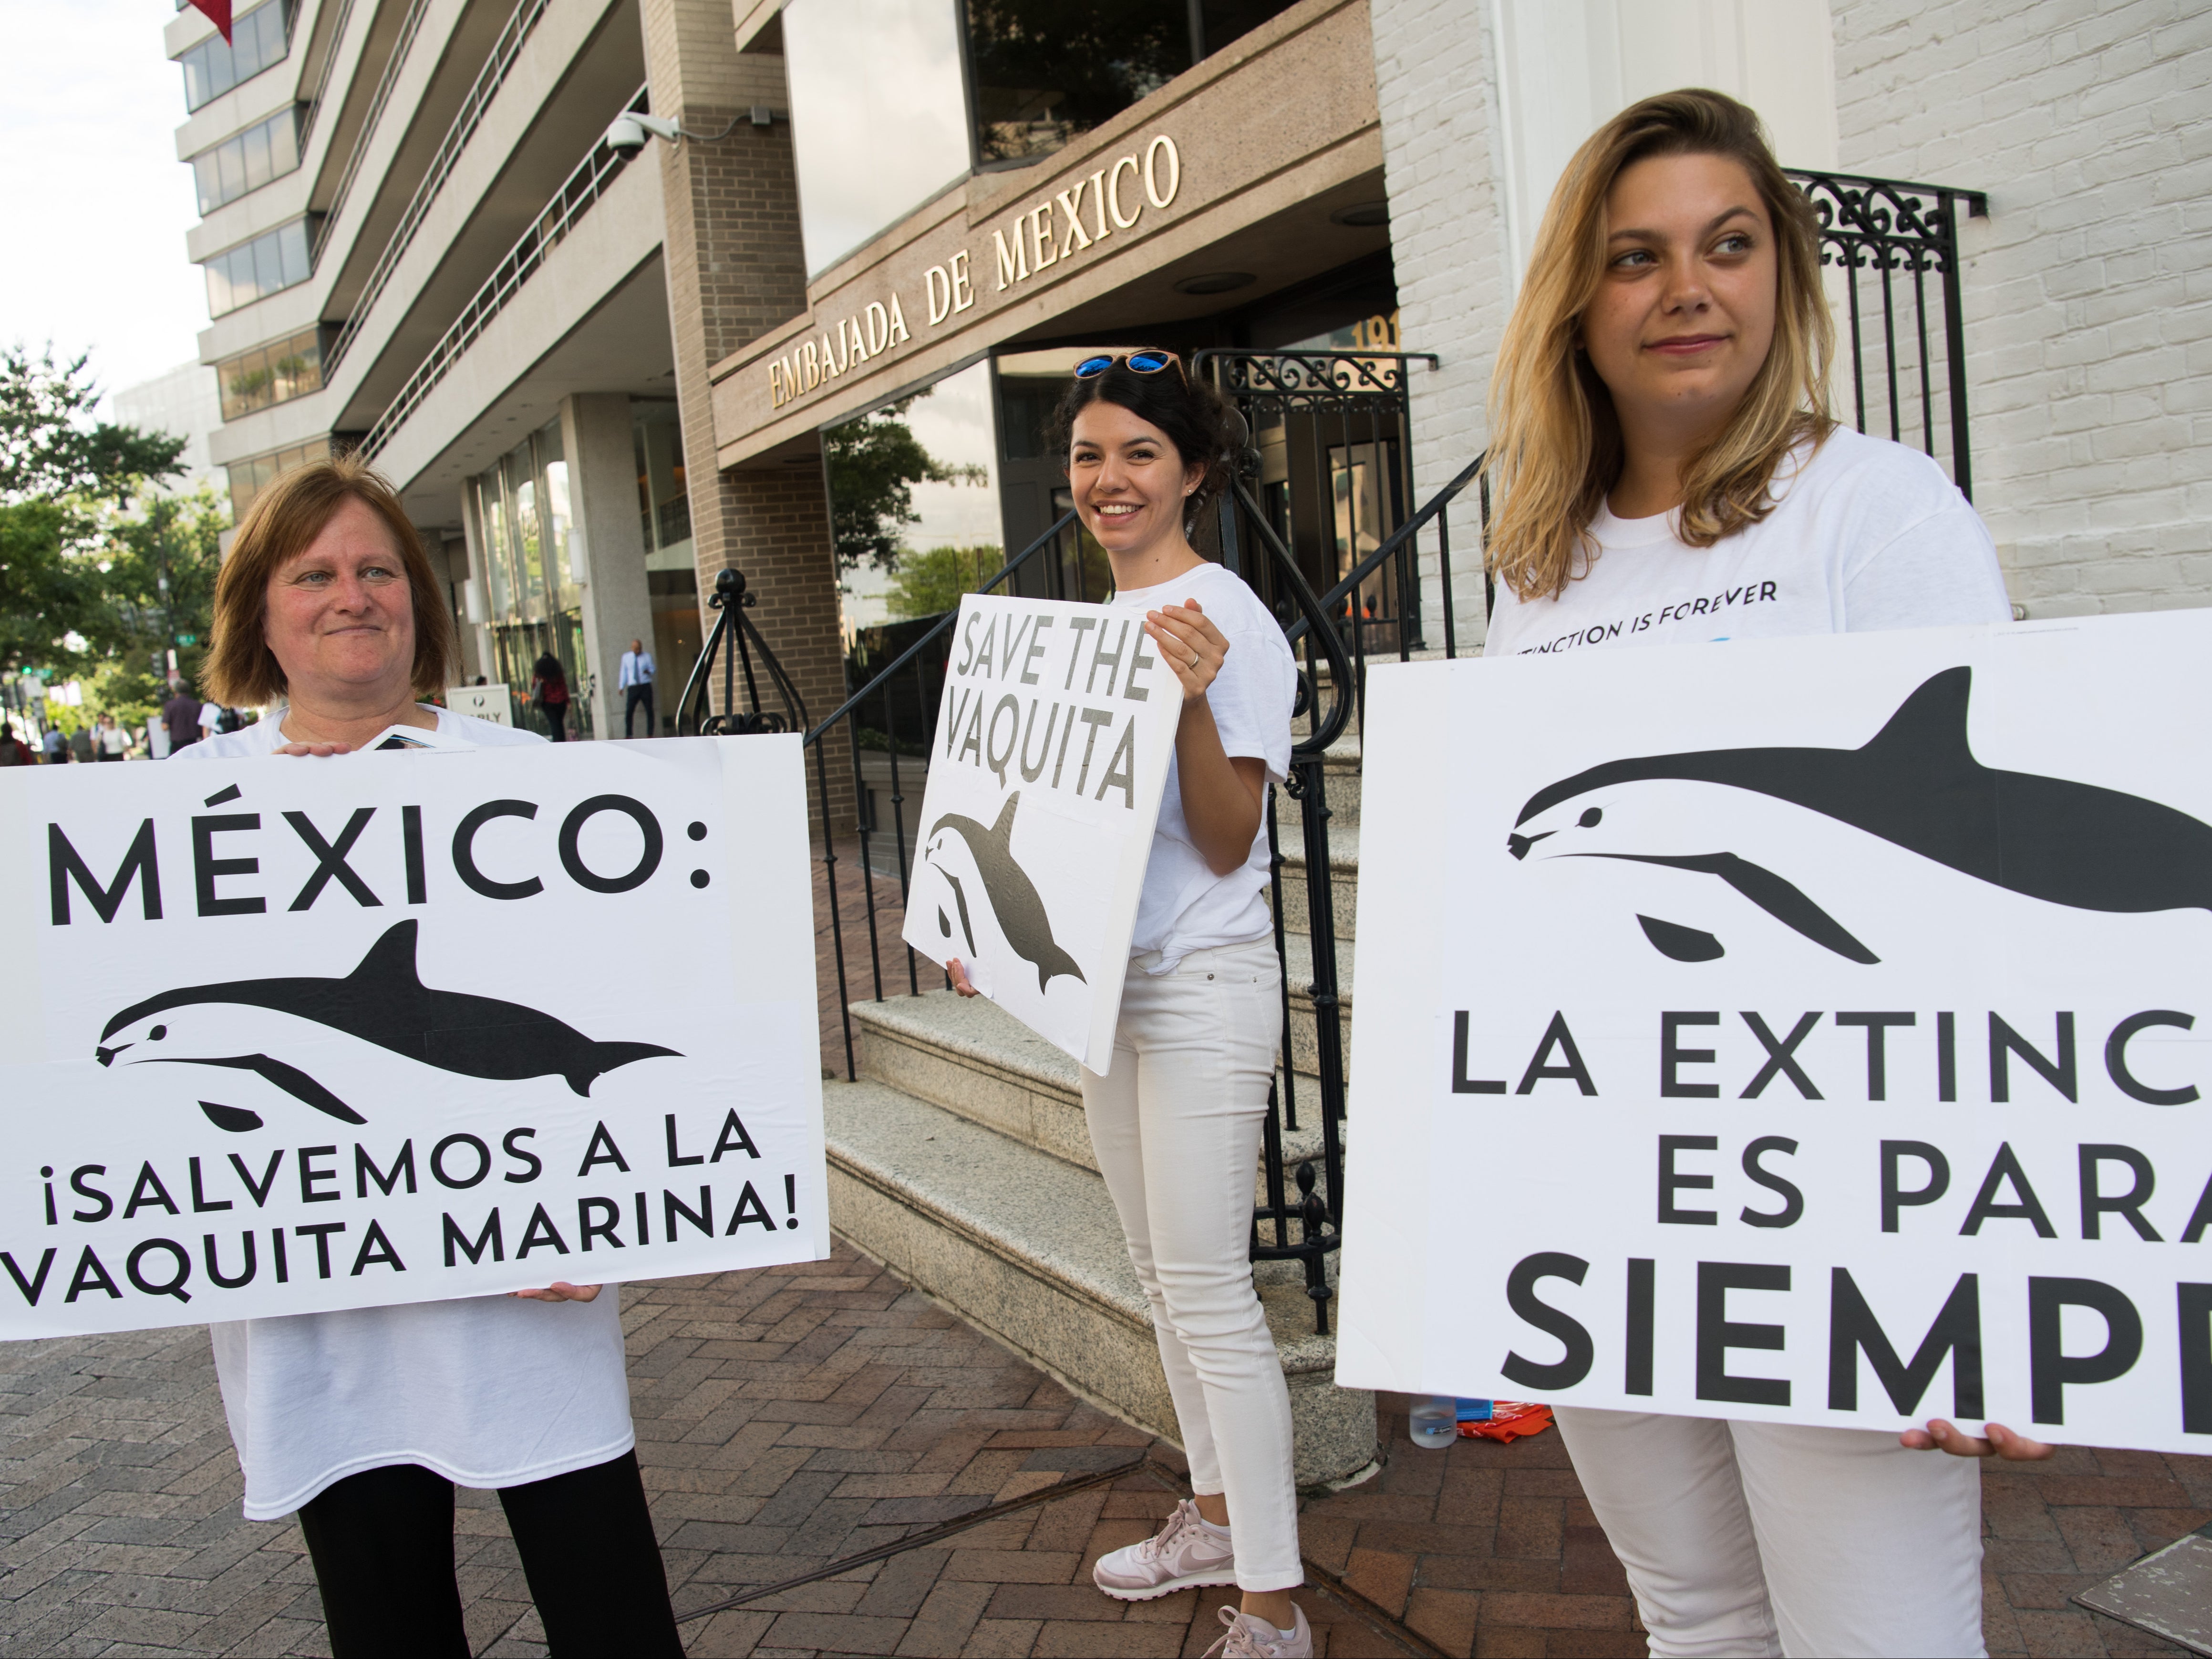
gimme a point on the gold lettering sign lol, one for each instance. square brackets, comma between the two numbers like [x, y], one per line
[1062, 226]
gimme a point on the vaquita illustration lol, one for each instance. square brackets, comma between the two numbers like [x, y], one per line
[963, 850]
[1917, 785]
[383, 1001]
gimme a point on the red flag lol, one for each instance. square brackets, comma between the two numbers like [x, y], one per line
[217, 12]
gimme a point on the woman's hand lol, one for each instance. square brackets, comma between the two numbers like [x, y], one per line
[560, 1290]
[320, 751]
[1939, 1435]
[1189, 644]
[958, 975]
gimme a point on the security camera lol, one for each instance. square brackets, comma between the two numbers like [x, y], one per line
[628, 132]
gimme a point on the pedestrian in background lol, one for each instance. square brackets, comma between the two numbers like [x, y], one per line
[1659, 425]
[181, 714]
[81, 745]
[14, 751]
[548, 693]
[635, 680]
[111, 741]
[56, 746]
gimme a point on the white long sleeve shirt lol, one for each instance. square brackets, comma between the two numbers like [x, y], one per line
[636, 670]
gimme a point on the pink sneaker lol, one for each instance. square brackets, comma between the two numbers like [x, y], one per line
[1248, 1637]
[1181, 1554]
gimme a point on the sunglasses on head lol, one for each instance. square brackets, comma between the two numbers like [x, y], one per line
[1139, 362]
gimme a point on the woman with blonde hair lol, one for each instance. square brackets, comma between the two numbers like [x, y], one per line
[1667, 473]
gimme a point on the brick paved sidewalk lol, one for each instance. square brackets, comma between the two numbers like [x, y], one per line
[793, 1417]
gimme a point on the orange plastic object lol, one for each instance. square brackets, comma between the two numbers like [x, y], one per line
[1510, 1419]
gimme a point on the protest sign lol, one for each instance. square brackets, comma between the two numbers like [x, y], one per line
[282, 1035]
[485, 703]
[1053, 736]
[1803, 1030]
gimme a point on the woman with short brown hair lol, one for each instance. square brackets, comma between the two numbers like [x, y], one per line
[362, 1421]
[1667, 473]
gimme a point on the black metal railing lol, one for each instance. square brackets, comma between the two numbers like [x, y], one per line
[1884, 239]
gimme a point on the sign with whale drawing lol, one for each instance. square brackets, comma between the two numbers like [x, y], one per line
[1053, 736]
[290, 1036]
[1860, 987]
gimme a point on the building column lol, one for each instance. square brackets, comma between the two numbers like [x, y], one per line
[1436, 88]
[736, 270]
[606, 544]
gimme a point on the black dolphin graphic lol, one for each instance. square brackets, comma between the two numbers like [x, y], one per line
[1013, 895]
[384, 1002]
[1917, 785]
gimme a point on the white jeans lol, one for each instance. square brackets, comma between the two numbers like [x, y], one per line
[1175, 1125]
[1768, 1538]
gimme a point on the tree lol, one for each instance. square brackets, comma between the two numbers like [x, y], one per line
[873, 463]
[931, 583]
[64, 479]
[174, 538]
[49, 450]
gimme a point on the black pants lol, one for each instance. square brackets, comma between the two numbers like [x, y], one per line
[639, 694]
[382, 1547]
[556, 720]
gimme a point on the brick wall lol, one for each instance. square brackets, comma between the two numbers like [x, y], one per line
[1433, 79]
[2088, 315]
[735, 270]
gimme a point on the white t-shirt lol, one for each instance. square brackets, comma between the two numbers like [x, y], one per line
[1865, 534]
[488, 1390]
[1185, 907]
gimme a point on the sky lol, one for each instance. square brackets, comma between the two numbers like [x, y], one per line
[97, 204]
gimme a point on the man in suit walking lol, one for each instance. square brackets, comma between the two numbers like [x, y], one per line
[636, 682]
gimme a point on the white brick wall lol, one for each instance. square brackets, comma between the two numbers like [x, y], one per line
[1433, 78]
[2089, 289]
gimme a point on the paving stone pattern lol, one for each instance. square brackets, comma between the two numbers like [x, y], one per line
[790, 1418]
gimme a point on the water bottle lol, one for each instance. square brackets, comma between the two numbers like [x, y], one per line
[1435, 1421]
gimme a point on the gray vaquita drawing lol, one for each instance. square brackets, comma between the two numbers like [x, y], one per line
[1007, 889]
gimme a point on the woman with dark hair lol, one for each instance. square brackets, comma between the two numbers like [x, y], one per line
[549, 691]
[1175, 1120]
[362, 1421]
[1660, 431]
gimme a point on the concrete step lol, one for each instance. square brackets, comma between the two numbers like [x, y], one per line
[972, 1058]
[1027, 1247]
[1344, 877]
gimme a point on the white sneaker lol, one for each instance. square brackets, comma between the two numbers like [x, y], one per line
[1248, 1637]
[1183, 1553]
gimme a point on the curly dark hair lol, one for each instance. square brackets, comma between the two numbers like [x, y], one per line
[1191, 415]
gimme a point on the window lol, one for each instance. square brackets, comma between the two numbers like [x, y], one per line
[270, 374]
[878, 116]
[248, 160]
[253, 270]
[913, 500]
[1045, 71]
[258, 39]
[664, 509]
[249, 478]
[521, 509]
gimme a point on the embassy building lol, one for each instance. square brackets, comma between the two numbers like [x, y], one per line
[813, 336]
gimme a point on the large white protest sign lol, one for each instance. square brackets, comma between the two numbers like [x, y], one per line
[1053, 741]
[1814, 1031]
[282, 1035]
